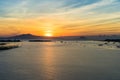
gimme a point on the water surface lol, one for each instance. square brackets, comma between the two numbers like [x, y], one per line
[70, 60]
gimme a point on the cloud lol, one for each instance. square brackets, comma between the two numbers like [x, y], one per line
[76, 16]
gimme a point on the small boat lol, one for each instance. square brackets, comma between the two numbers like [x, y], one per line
[100, 44]
[61, 41]
[118, 46]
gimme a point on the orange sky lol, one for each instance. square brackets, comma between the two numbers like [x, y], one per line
[73, 19]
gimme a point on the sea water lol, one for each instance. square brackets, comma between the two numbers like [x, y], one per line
[68, 60]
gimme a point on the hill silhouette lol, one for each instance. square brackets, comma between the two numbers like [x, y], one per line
[31, 36]
[25, 36]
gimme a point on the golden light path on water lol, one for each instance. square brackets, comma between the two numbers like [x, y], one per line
[49, 62]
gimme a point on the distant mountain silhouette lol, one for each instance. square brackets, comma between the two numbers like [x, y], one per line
[25, 36]
[30, 36]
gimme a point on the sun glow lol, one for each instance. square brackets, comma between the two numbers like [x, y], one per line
[48, 34]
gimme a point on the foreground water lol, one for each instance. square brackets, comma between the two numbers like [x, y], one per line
[71, 60]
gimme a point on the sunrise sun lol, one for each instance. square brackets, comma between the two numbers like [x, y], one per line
[48, 35]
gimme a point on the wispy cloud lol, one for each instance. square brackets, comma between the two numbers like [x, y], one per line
[75, 16]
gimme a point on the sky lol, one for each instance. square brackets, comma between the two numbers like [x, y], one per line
[59, 17]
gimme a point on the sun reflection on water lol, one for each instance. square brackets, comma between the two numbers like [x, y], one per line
[49, 62]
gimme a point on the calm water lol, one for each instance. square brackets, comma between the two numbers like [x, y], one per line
[60, 61]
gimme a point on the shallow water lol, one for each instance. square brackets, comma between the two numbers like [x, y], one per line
[70, 60]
